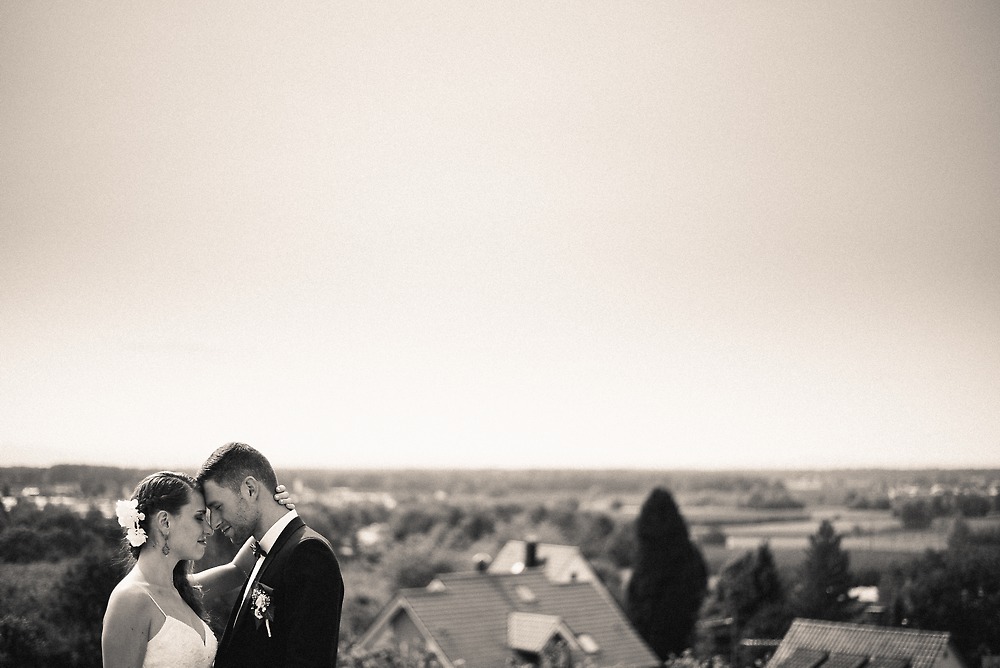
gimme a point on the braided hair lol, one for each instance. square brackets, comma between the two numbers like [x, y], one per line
[169, 491]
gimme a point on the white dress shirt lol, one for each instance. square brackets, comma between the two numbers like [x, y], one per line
[267, 542]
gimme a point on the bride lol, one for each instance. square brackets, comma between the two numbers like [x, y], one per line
[155, 615]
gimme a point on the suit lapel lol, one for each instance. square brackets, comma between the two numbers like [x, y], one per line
[286, 533]
[294, 525]
[241, 611]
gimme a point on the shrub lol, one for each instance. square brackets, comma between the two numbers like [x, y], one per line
[916, 514]
[973, 505]
[19, 545]
[22, 641]
[415, 563]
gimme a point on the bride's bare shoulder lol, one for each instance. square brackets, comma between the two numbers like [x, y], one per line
[129, 599]
[127, 625]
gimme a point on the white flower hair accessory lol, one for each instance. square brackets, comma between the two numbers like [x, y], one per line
[129, 518]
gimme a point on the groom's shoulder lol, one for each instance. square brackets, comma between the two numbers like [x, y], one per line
[310, 534]
[312, 546]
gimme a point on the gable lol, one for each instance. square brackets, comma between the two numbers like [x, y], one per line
[395, 626]
[530, 632]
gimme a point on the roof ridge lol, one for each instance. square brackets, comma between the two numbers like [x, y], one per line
[926, 633]
[540, 543]
[472, 575]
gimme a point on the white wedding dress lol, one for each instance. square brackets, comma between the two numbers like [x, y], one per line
[177, 645]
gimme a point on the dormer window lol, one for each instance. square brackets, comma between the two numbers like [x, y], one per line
[525, 594]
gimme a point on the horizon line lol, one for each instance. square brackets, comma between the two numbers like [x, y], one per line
[544, 469]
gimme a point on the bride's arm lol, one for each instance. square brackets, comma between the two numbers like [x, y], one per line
[126, 628]
[226, 577]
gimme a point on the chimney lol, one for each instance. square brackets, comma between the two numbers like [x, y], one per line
[482, 562]
[531, 553]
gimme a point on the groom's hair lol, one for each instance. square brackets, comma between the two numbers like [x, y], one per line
[229, 466]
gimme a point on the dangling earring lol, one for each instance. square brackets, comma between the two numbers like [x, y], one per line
[166, 548]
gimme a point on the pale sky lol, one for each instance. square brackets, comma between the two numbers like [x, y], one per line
[717, 235]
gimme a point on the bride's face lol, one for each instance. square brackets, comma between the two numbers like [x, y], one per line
[189, 529]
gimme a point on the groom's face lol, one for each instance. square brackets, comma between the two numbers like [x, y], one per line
[231, 513]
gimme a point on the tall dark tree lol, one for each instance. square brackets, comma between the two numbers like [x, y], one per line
[751, 594]
[670, 577]
[825, 579]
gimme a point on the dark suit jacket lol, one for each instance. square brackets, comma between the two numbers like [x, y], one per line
[307, 593]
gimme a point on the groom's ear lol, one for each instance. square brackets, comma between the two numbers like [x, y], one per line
[251, 487]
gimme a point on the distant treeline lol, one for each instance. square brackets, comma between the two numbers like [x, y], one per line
[830, 487]
[104, 481]
[92, 481]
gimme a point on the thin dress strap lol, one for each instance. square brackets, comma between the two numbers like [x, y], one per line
[150, 595]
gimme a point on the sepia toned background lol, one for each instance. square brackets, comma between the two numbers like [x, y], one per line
[452, 234]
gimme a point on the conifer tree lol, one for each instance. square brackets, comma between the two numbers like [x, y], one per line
[670, 577]
[750, 592]
[825, 579]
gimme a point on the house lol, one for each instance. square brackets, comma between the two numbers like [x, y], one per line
[485, 619]
[561, 563]
[811, 643]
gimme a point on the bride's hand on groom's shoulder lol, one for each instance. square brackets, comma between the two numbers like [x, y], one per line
[282, 496]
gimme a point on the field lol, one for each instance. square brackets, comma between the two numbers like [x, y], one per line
[875, 539]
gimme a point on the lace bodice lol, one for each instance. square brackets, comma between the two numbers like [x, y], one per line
[177, 645]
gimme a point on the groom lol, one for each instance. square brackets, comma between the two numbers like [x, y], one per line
[288, 613]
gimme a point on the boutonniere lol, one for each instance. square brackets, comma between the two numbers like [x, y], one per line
[260, 596]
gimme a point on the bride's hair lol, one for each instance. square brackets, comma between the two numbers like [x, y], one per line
[168, 491]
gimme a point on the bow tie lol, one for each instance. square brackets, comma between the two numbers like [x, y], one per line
[258, 549]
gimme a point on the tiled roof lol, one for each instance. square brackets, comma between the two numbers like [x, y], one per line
[468, 617]
[849, 645]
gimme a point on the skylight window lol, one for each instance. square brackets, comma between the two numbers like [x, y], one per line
[588, 644]
[525, 594]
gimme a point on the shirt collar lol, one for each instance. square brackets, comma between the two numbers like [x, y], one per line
[267, 541]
